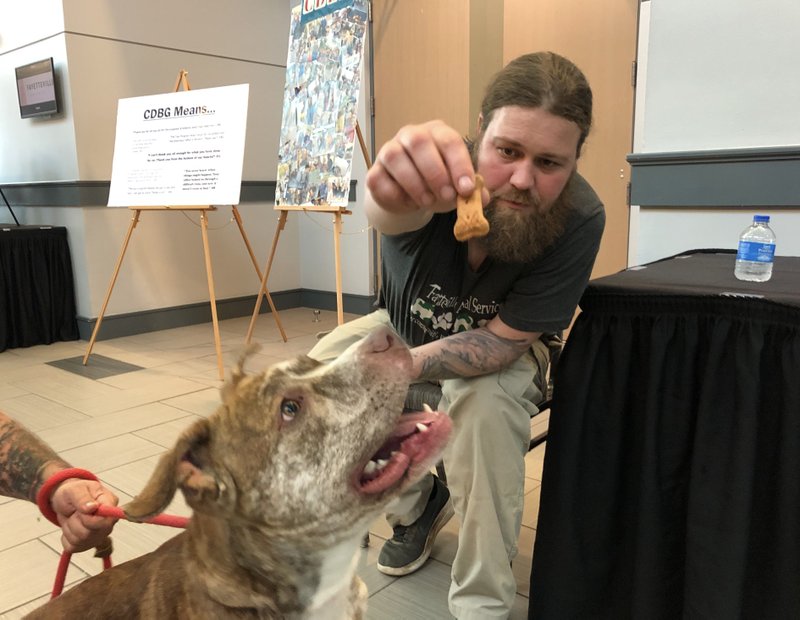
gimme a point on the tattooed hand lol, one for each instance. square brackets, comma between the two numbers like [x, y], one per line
[26, 462]
[75, 502]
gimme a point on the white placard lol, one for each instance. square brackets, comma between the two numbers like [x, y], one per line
[180, 149]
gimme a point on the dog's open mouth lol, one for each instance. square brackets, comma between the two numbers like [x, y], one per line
[414, 443]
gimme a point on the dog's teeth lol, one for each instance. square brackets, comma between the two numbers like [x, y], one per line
[370, 468]
[382, 463]
[427, 408]
[421, 427]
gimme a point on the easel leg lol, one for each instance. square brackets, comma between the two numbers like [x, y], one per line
[207, 252]
[263, 289]
[238, 219]
[337, 233]
[96, 330]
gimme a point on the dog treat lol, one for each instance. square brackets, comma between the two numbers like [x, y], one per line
[470, 221]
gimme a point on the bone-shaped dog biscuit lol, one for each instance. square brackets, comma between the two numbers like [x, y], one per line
[470, 221]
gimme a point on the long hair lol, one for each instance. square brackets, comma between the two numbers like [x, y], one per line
[542, 80]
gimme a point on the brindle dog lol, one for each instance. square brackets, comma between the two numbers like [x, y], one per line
[284, 480]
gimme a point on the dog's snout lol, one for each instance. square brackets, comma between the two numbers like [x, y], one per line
[382, 340]
[382, 348]
[386, 344]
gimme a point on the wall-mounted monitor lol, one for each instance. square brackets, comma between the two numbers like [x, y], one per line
[36, 89]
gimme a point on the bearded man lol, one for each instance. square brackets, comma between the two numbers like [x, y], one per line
[474, 312]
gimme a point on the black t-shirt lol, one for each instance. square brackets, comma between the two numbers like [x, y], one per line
[431, 292]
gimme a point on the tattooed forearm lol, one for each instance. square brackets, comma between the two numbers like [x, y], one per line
[25, 460]
[468, 354]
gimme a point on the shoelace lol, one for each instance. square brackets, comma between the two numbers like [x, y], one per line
[400, 533]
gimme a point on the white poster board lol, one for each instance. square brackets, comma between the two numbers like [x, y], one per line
[320, 103]
[180, 149]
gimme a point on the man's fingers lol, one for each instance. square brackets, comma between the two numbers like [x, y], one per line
[75, 502]
[402, 177]
[428, 163]
[429, 175]
[77, 542]
[84, 531]
[384, 188]
[456, 158]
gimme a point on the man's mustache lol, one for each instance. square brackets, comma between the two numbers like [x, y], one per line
[524, 198]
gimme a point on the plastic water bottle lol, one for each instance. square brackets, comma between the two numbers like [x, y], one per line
[756, 251]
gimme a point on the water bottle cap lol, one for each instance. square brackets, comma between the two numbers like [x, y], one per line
[764, 219]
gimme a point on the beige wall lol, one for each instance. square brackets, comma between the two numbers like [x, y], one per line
[105, 51]
[486, 52]
[421, 64]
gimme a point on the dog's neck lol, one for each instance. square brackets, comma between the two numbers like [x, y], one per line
[278, 572]
[333, 598]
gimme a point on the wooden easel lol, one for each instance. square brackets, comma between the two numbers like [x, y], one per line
[338, 212]
[183, 83]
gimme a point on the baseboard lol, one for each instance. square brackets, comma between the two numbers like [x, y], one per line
[132, 323]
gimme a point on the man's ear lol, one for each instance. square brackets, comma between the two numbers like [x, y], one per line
[178, 467]
[480, 123]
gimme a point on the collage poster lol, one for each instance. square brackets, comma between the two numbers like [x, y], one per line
[320, 103]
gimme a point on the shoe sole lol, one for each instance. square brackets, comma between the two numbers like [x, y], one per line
[441, 520]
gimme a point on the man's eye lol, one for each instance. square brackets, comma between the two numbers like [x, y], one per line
[548, 163]
[507, 152]
[289, 409]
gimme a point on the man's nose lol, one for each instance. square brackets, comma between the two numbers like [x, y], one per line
[523, 177]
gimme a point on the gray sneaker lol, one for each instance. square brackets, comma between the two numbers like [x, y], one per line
[411, 545]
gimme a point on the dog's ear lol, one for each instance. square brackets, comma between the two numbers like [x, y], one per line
[187, 465]
[175, 468]
[228, 390]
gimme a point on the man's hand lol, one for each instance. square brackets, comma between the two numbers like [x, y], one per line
[75, 501]
[419, 171]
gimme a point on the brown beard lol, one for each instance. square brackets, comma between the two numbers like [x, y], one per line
[521, 236]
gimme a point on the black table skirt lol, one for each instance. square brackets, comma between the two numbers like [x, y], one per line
[671, 484]
[37, 297]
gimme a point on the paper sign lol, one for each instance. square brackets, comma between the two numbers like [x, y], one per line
[180, 149]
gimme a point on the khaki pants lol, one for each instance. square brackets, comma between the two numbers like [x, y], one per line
[485, 471]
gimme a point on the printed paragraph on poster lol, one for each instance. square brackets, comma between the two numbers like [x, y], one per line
[180, 149]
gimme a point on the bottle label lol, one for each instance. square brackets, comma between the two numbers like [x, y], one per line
[757, 252]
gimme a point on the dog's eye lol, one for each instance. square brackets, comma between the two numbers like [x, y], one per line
[289, 409]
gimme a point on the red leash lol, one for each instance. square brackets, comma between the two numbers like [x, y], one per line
[115, 512]
[104, 549]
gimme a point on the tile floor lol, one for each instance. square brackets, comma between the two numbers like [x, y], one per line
[117, 426]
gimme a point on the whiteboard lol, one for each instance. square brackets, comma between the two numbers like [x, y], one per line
[721, 74]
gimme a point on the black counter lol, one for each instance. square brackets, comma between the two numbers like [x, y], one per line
[671, 485]
[37, 295]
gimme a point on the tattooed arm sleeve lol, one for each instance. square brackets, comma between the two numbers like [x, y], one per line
[25, 460]
[472, 353]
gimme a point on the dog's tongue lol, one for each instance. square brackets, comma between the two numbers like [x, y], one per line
[415, 442]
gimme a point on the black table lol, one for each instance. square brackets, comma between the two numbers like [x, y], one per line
[37, 294]
[671, 485]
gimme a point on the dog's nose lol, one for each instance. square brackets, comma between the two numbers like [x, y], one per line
[385, 350]
[380, 340]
